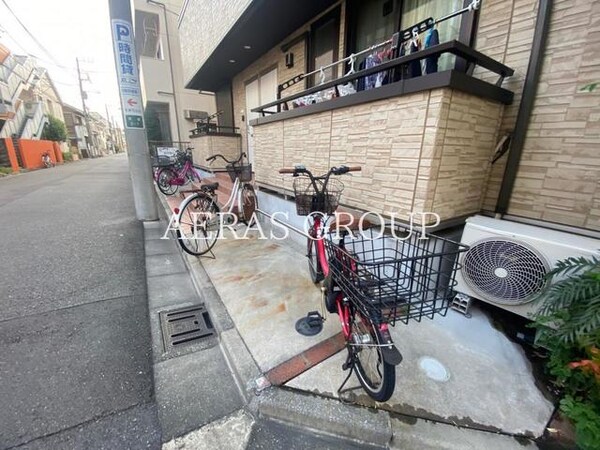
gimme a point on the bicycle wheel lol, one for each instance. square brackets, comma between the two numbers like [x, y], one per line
[314, 265]
[199, 224]
[249, 204]
[377, 377]
[164, 181]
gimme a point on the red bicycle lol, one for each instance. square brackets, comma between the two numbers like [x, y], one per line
[373, 279]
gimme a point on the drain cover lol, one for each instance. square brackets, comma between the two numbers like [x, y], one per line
[434, 369]
[185, 326]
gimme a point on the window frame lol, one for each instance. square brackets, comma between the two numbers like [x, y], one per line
[469, 23]
[336, 14]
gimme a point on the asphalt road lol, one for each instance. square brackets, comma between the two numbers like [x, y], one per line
[75, 347]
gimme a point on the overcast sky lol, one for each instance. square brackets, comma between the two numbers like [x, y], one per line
[67, 29]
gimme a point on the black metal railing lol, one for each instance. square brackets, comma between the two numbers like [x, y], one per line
[213, 129]
[460, 50]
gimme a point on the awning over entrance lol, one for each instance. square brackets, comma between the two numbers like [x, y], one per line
[264, 24]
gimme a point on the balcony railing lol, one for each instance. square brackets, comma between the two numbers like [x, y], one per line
[34, 122]
[214, 130]
[450, 78]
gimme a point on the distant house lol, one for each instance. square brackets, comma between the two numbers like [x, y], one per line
[102, 133]
[27, 98]
[76, 129]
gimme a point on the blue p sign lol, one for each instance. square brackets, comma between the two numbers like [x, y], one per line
[122, 32]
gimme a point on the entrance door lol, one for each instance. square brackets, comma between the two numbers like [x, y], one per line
[268, 89]
[259, 92]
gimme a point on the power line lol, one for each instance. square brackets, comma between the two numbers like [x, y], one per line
[30, 33]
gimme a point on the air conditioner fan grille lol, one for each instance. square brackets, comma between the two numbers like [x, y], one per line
[504, 271]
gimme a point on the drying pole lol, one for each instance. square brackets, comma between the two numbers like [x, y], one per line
[132, 109]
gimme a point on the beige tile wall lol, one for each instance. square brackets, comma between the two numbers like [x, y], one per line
[559, 175]
[505, 33]
[421, 152]
[205, 146]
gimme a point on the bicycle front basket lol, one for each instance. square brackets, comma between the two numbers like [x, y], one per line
[308, 199]
[400, 275]
[243, 172]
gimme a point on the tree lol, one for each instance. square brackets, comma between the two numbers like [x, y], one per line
[55, 130]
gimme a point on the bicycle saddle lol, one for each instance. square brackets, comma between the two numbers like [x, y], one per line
[211, 187]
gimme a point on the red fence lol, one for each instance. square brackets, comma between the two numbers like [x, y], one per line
[31, 152]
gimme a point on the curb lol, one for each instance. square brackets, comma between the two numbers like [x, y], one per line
[326, 415]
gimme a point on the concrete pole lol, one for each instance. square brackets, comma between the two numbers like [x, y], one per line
[126, 62]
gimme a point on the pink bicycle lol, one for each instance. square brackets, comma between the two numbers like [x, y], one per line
[168, 179]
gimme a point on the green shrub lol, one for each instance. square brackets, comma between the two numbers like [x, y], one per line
[55, 130]
[572, 307]
[68, 156]
[5, 170]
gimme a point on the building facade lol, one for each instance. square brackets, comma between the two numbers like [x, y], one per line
[27, 95]
[170, 108]
[79, 139]
[427, 140]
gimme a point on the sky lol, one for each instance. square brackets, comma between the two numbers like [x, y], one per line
[67, 29]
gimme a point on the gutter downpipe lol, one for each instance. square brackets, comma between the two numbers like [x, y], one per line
[164, 7]
[532, 78]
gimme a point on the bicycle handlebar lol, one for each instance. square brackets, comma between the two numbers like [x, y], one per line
[218, 155]
[334, 170]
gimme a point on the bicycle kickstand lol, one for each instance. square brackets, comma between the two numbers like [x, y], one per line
[310, 325]
[350, 366]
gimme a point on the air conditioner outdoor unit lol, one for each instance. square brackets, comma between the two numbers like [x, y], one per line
[507, 261]
[192, 114]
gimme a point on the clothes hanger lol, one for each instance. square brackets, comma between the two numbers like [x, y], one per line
[352, 61]
[415, 37]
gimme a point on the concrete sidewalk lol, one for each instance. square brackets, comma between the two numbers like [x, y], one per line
[261, 288]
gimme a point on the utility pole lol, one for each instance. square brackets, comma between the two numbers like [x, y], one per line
[86, 114]
[130, 92]
[110, 128]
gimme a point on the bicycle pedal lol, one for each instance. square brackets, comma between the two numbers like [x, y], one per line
[314, 316]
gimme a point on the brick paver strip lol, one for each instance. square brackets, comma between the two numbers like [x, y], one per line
[293, 367]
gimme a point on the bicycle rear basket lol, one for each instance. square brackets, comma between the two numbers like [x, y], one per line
[396, 276]
[243, 172]
[309, 199]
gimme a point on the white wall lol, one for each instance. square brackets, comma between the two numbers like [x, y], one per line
[156, 74]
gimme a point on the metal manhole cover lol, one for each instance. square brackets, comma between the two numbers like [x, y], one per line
[185, 326]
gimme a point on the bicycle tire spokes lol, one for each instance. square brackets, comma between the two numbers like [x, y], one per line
[199, 224]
